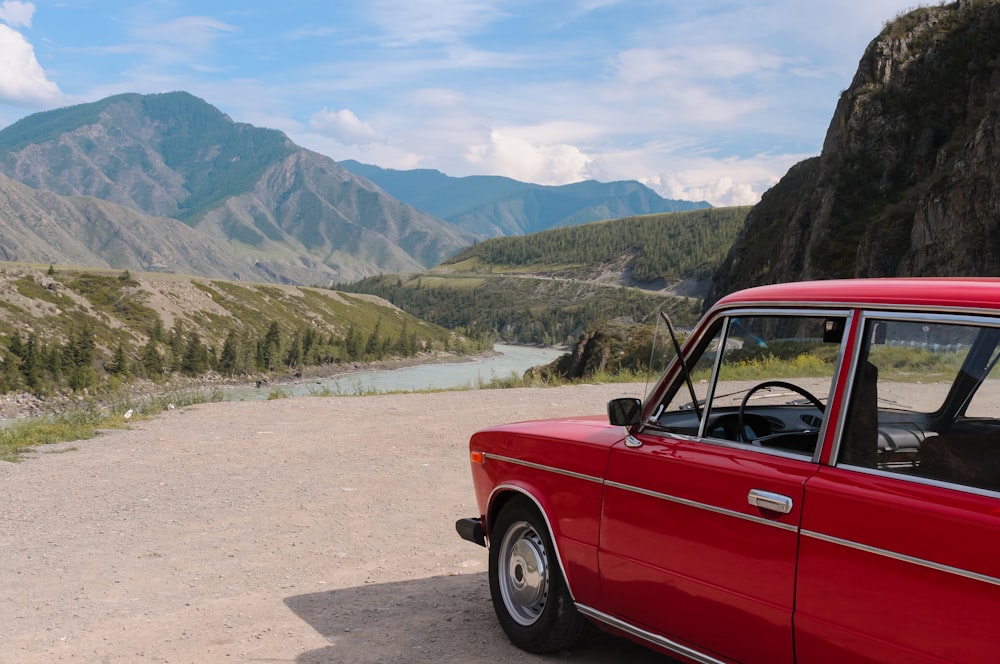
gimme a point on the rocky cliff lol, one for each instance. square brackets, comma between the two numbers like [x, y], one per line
[908, 182]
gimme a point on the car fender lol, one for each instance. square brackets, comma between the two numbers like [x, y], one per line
[504, 492]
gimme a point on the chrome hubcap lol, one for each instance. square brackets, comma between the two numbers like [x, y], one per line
[524, 573]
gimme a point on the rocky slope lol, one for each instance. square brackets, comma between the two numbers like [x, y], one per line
[47, 228]
[292, 214]
[907, 182]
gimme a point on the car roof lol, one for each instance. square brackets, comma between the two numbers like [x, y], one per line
[964, 293]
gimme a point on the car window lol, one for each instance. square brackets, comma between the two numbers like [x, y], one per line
[769, 387]
[925, 402]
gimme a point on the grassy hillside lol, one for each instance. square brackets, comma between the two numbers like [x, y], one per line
[550, 287]
[658, 247]
[80, 329]
[520, 309]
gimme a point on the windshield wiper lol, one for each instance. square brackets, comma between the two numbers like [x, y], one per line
[684, 367]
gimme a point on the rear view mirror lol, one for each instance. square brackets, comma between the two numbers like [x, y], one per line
[878, 334]
[833, 330]
[624, 412]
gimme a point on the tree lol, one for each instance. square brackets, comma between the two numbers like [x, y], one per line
[195, 359]
[293, 358]
[119, 363]
[230, 355]
[271, 347]
[373, 345]
[152, 362]
[175, 343]
[31, 364]
[353, 344]
[79, 355]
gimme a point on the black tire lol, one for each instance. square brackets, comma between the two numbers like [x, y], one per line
[529, 594]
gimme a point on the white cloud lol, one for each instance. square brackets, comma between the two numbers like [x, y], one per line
[518, 158]
[720, 181]
[344, 127]
[693, 62]
[22, 79]
[438, 21]
[181, 39]
[17, 14]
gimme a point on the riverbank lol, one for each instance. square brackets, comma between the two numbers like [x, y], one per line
[19, 405]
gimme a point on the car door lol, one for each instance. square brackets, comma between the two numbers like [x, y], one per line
[684, 553]
[699, 530]
[900, 552]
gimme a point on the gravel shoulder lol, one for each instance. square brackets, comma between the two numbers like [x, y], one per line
[294, 530]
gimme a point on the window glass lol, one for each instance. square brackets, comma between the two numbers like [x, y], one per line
[925, 401]
[684, 410]
[772, 385]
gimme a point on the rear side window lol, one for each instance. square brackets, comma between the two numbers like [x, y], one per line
[925, 402]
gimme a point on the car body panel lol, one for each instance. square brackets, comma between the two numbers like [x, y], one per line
[921, 562]
[560, 465]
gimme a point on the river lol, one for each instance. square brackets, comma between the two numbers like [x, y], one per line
[439, 376]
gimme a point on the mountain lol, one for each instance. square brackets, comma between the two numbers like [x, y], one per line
[908, 182]
[491, 206]
[676, 251]
[43, 227]
[294, 215]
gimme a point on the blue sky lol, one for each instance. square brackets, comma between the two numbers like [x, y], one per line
[709, 100]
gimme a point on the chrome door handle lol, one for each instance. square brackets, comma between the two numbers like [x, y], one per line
[773, 502]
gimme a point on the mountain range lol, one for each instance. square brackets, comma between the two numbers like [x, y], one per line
[281, 212]
[167, 182]
[491, 206]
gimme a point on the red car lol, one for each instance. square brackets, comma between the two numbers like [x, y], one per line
[816, 480]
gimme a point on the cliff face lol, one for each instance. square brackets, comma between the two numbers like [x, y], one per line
[908, 182]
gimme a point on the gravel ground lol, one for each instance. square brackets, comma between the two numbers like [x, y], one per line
[296, 530]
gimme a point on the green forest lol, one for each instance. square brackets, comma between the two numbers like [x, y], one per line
[669, 246]
[520, 309]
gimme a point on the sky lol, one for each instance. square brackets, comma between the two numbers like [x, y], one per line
[712, 100]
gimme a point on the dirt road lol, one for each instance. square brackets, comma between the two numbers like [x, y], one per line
[296, 530]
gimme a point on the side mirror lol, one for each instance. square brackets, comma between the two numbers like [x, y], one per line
[624, 412]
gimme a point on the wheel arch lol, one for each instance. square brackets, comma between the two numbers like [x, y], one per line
[502, 495]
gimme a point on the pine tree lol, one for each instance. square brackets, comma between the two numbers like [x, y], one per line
[230, 355]
[152, 362]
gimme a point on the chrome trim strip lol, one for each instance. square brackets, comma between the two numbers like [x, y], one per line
[702, 506]
[539, 466]
[947, 569]
[713, 380]
[655, 639]
[917, 479]
[960, 317]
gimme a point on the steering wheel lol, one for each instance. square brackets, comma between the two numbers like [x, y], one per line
[741, 433]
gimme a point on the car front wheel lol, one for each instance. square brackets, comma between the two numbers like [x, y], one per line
[530, 596]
